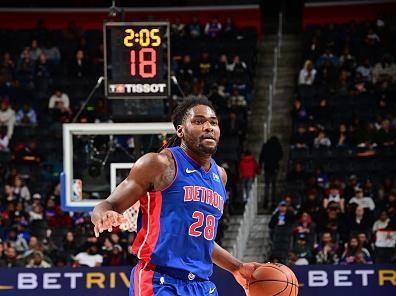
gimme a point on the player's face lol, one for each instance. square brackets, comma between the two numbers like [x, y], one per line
[201, 130]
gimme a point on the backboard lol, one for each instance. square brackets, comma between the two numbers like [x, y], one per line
[98, 156]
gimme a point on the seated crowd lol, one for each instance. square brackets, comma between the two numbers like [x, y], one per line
[44, 78]
[341, 201]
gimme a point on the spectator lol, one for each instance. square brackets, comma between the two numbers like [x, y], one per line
[327, 75]
[248, 169]
[307, 227]
[186, 71]
[359, 85]
[26, 115]
[342, 138]
[4, 140]
[307, 74]
[59, 106]
[327, 56]
[20, 190]
[229, 29]
[386, 187]
[323, 114]
[222, 66]
[312, 204]
[52, 53]
[347, 60]
[178, 29]
[24, 57]
[237, 102]
[205, 65]
[385, 242]
[281, 230]
[365, 70]
[322, 140]
[355, 253]
[25, 75]
[11, 259]
[79, 67]
[364, 242]
[326, 251]
[302, 250]
[270, 156]
[282, 216]
[7, 117]
[195, 28]
[35, 245]
[360, 200]
[34, 51]
[43, 74]
[38, 261]
[16, 240]
[350, 188]
[382, 222]
[238, 66]
[299, 112]
[386, 136]
[301, 138]
[359, 222]
[70, 246]
[334, 194]
[8, 66]
[115, 258]
[213, 28]
[384, 71]
[90, 257]
[57, 98]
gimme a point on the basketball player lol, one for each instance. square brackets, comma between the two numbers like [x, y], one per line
[182, 195]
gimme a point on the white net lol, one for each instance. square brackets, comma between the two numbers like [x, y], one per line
[131, 215]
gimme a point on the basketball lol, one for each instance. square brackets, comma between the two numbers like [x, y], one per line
[273, 279]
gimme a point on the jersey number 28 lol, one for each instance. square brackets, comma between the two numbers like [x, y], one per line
[208, 231]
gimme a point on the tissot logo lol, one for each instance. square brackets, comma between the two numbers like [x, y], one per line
[137, 88]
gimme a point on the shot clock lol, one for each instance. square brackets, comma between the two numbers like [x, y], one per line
[136, 60]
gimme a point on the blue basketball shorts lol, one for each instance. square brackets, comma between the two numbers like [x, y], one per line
[152, 282]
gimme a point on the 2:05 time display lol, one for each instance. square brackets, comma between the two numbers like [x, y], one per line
[143, 37]
[137, 59]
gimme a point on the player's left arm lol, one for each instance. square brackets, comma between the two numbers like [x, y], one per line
[222, 258]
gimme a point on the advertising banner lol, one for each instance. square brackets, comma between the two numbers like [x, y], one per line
[323, 280]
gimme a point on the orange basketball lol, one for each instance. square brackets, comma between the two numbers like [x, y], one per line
[273, 279]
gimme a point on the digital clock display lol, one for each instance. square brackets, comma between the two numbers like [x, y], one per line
[137, 60]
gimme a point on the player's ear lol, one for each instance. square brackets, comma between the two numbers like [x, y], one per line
[180, 131]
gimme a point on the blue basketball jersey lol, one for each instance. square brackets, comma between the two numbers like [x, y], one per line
[178, 225]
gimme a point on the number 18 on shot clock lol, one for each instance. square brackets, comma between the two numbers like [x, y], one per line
[136, 60]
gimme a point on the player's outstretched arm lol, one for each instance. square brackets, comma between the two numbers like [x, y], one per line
[145, 174]
[241, 271]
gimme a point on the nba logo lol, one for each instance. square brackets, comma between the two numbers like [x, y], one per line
[77, 190]
[216, 177]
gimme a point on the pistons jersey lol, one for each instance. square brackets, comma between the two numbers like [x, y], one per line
[178, 225]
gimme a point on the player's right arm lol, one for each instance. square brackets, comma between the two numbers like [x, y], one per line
[151, 172]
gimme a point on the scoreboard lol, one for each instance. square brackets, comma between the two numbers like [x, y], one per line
[136, 60]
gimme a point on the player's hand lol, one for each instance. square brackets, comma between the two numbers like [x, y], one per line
[243, 274]
[108, 220]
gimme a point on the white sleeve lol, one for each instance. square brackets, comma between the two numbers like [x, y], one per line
[301, 79]
[66, 100]
[51, 103]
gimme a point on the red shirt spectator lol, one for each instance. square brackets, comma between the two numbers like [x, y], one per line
[248, 166]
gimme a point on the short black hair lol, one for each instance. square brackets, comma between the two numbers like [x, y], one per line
[180, 112]
[179, 115]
